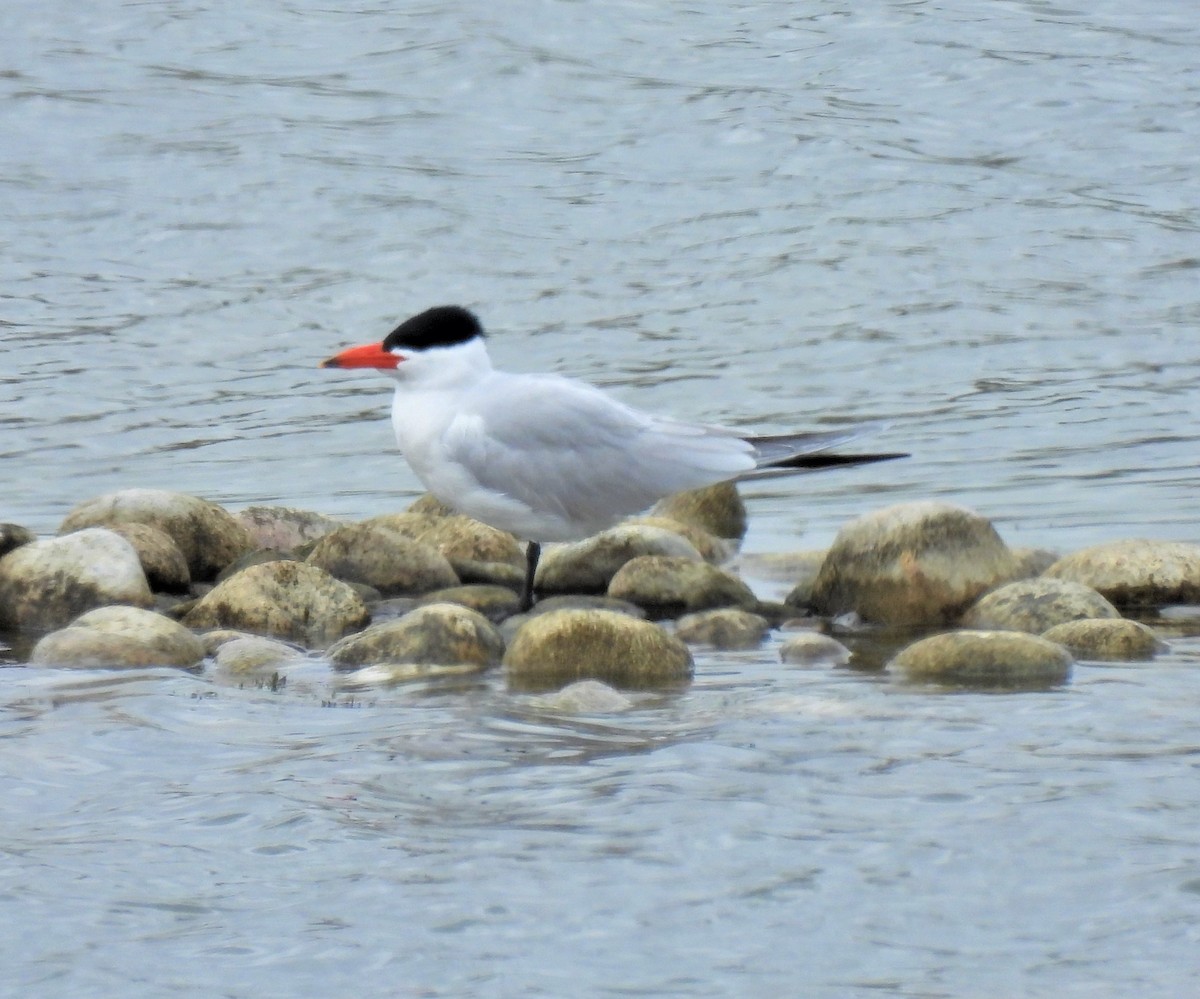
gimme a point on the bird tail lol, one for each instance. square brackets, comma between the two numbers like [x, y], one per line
[785, 454]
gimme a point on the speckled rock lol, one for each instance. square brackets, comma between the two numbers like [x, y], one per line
[284, 528]
[428, 505]
[458, 538]
[253, 655]
[1004, 659]
[587, 697]
[442, 634]
[726, 628]
[1137, 572]
[13, 536]
[256, 557]
[1034, 605]
[717, 509]
[804, 568]
[119, 637]
[1107, 640]
[588, 566]
[552, 650]
[382, 557]
[207, 534]
[494, 602]
[666, 586]
[164, 564]
[810, 648]
[912, 564]
[1033, 562]
[47, 584]
[290, 600]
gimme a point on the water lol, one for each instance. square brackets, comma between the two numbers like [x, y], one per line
[977, 221]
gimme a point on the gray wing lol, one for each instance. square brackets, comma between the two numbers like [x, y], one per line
[569, 450]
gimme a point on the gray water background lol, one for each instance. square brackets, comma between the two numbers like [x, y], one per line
[977, 221]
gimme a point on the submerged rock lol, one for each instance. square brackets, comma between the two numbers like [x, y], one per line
[290, 600]
[253, 656]
[811, 648]
[726, 628]
[1107, 640]
[46, 584]
[1033, 605]
[1006, 659]
[565, 646]
[207, 534]
[667, 586]
[588, 566]
[382, 557]
[1136, 572]
[442, 634]
[119, 637]
[912, 564]
[587, 697]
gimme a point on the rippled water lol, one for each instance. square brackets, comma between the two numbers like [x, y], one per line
[975, 220]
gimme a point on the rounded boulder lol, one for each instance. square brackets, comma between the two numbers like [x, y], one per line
[119, 637]
[47, 584]
[1034, 605]
[668, 586]
[442, 634]
[588, 566]
[995, 659]
[561, 647]
[1107, 640]
[384, 558]
[911, 564]
[1136, 572]
[725, 628]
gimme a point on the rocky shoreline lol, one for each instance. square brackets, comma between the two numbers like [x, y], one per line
[144, 577]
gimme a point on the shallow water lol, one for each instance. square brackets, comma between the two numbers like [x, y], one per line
[977, 221]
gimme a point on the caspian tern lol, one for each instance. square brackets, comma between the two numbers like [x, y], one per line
[549, 458]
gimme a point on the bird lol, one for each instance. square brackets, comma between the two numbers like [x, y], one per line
[551, 458]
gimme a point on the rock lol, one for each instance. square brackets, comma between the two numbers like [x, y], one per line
[393, 674]
[290, 600]
[711, 548]
[489, 573]
[588, 566]
[119, 637]
[457, 537]
[253, 655]
[912, 564]
[206, 533]
[813, 649]
[1009, 659]
[46, 584]
[494, 602]
[284, 528]
[587, 697]
[442, 634]
[561, 647]
[727, 628]
[257, 557]
[1106, 639]
[13, 536]
[164, 564]
[1137, 572]
[1034, 605]
[666, 586]
[382, 557]
[717, 509]
[1033, 561]
[428, 505]
[213, 640]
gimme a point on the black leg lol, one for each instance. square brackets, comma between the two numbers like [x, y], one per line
[533, 552]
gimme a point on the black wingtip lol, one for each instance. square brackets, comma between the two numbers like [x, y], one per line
[825, 460]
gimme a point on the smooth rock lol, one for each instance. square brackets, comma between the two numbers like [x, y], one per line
[726, 628]
[284, 528]
[1107, 639]
[1136, 572]
[253, 655]
[47, 584]
[711, 548]
[442, 634]
[119, 637]
[165, 566]
[290, 600]
[717, 509]
[587, 697]
[561, 647]
[1006, 659]
[666, 586]
[1033, 562]
[805, 567]
[494, 602]
[814, 649]
[912, 564]
[588, 566]
[207, 534]
[382, 557]
[1033, 605]
[12, 536]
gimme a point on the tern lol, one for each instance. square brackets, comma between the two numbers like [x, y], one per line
[550, 458]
